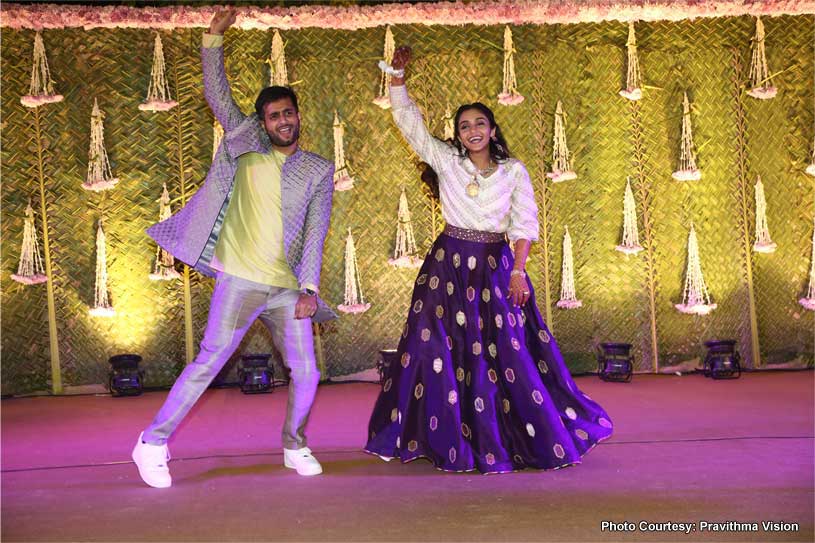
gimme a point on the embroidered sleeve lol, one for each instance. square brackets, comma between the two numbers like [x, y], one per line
[411, 123]
[216, 87]
[318, 218]
[523, 222]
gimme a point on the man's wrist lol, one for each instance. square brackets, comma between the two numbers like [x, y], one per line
[308, 292]
[211, 41]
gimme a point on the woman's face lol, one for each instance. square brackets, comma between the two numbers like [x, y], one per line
[474, 130]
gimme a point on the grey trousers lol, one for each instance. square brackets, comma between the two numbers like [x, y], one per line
[235, 305]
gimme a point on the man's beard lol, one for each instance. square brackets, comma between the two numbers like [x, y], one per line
[279, 142]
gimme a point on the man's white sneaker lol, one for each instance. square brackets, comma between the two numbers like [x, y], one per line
[302, 460]
[152, 463]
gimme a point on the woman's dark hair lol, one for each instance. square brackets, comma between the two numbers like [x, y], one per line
[499, 150]
[273, 94]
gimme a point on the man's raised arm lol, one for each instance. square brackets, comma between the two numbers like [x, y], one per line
[216, 87]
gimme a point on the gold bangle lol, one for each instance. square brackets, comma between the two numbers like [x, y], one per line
[517, 272]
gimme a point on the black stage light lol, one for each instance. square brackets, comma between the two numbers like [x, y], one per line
[722, 359]
[615, 362]
[125, 378]
[386, 358]
[255, 374]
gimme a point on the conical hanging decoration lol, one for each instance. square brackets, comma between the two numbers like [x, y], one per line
[101, 303]
[41, 91]
[759, 73]
[809, 300]
[449, 124]
[695, 297]
[687, 159]
[383, 99]
[99, 176]
[763, 242]
[561, 163]
[158, 93]
[30, 270]
[278, 75]
[811, 168]
[630, 244]
[217, 137]
[405, 253]
[342, 180]
[354, 301]
[509, 95]
[632, 89]
[164, 268]
[568, 297]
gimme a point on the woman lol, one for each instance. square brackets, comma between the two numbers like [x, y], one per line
[480, 382]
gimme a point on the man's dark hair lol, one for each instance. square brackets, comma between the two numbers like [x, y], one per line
[273, 94]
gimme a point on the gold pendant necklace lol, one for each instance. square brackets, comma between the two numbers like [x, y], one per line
[473, 187]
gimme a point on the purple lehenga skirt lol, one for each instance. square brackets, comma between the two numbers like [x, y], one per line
[480, 384]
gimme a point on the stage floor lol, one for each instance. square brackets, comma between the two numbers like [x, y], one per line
[685, 449]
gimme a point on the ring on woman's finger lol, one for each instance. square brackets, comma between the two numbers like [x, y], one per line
[526, 292]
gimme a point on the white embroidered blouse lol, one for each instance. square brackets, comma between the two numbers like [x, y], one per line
[505, 202]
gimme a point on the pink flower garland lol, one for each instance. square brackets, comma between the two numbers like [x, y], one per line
[491, 12]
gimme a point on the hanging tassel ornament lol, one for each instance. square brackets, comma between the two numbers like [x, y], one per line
[342, 180]
[354, 300]
[759, 73]
[632, 89]
[631, 238]
[158, 93]
[811, 168]
[809, 301]
[405, 252]
[695, 298]
[278, 76]
[99, 176]
[101, 303]
[164, 269]
[687, 159]
[561, 164]
[568, 298]
[30, 270]
[509, 94]
[41, 90]
[217, 137]
[383, 99]
[763, 242]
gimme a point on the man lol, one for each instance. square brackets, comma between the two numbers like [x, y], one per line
[259, 221]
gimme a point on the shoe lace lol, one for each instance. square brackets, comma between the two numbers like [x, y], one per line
[157, 456]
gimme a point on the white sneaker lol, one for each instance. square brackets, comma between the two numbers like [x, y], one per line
[302, 460]
[152, 463]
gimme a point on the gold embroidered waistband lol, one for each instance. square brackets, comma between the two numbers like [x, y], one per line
[473, 235]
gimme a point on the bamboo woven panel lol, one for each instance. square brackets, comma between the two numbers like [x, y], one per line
[736, 138]
[25, 332]
[777, 134]
[704, 74]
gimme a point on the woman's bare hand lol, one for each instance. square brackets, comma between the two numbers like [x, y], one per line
[222, 20]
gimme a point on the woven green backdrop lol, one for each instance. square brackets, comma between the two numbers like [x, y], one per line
[624, 298]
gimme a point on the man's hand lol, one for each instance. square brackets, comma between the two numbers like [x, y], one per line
[306, 306]
[401, 57]
[222, 20]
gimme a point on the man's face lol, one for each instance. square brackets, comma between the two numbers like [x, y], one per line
[282, 122]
